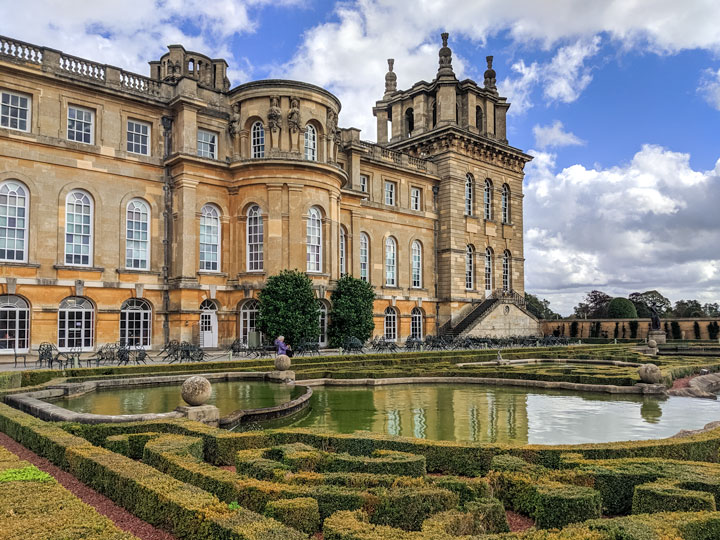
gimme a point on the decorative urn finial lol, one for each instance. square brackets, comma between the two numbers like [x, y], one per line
[445, 60]
[390, 78]
[490, 75]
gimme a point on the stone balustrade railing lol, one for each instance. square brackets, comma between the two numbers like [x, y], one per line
[54, 61]
[20, 51]
[377, 152]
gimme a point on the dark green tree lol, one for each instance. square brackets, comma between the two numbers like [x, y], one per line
[643, 301]
[712, 310]
[351, 314]
[621, 308]
[288, 307]
[539, 308]
[696, 330]
[594, 307]
[688, 308]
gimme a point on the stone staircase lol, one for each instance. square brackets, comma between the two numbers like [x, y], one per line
[479, 311]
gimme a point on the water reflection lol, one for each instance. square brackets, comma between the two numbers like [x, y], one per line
[227, 396]
[503, 414]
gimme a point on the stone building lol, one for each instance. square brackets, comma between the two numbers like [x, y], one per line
[145, 209]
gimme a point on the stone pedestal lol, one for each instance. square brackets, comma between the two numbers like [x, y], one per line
[284, 376]
[207, 414]
[658, 336]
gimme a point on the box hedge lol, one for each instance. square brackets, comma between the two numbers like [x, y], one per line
[302, 513]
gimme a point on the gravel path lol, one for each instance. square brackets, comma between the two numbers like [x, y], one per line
[517, 522]
[123, 519]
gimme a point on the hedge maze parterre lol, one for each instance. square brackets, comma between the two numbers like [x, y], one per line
[288, 484]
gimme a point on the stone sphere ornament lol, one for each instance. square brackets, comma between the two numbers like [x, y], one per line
[652, 343]
[650, 374]
[196, 390]
[282, 362]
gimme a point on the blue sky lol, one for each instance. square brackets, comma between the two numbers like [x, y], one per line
[618, 100]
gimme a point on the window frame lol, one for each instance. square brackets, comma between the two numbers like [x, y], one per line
[254, 249]
[90, 234]
[343, 251]
[391, 262]
[364, 265]
[248, 314]
[20, 322]
[505, 204]
[469, 194]
[489, 278]
[364, 182]
[390, 314]
[92, 113]
[488, 200]
[416, 265]
[63, 318]
[469, 267]
[257, 140]
[128, 232]
[416, 323]
[507, 271]
[144, 322]
[314, 241]
[148, 136]
[26, 217]
[415, 198]
[391, 193]
[204, 214]
[10, 106]
[211, 144]
[311, 137]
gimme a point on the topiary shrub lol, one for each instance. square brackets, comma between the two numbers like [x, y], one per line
[621, 308]
[713, 330]
[351, 314]
[696, 329]
[573, 329]
[301, 513]
[676, 333]
[666, 497]
[633, 329]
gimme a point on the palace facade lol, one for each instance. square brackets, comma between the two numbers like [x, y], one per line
[146, 209]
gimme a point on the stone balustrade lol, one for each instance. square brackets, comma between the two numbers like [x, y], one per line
[20, 51]
[380, 153]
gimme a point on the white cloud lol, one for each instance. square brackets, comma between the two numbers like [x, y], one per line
[518, 89]
[566, 76]
[710, 87]
[647, 224]
[128, 34]
[555, 135]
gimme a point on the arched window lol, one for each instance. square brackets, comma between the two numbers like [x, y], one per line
[479, 119]
[343, 251]
[416, 250]
[76, 324]
[310, 143]
[469, 267]
[505, 203]
[434, 114]
[506, 271]
[208, 324]
[137, 241]
[248, 319]
[314, 241]
[390, 324]
[364, 257]
[136, 323]
[488, 198]
[257, 140]
[78, 229]
[210, 239]
[409, 121]
[14, 324]
[322, 321]
[488, 269]
[469, 194]
[390, 262]
[13, 221]
[416, 323]
[254, 239]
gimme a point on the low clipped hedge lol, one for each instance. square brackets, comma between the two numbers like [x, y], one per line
[667, 497]
[302, 513]
[10, 379]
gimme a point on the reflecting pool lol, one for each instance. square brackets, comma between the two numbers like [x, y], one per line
[228, 396]
[502, 414]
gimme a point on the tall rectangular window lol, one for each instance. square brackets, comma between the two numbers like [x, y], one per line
[364, 257]
[415, 198]
[364, 183]
[13, 221]
[80, 124]
[137, 235]
[390, 193]
[78, 229]
[14, 111]
[138, 137]
[207, 144]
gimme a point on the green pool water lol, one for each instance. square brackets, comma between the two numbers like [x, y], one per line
[503, 414]
[226, 396]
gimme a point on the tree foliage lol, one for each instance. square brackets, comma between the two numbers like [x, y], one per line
[539, 308]
[351, 314]
[288, 307]
[595, 306]
[688, 308]
[643, 301]
[621, 308]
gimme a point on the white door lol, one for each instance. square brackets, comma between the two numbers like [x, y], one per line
[208, 329]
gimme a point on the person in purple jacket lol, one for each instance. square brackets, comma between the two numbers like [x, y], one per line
[281, 347]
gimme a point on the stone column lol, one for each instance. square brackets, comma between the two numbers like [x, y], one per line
[382, 128]
[275, 252]
[186, 229]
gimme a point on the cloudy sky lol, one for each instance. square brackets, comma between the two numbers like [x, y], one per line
[618, 100]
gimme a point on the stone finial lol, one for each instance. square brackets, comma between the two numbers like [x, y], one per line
[390, 79]
[196, 390]
[490, 76]
[445, 60]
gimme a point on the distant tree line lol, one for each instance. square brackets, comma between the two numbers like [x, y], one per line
[598, 305]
